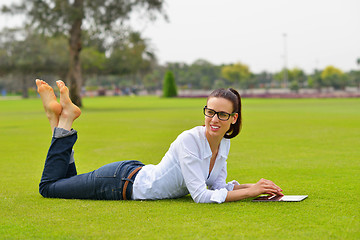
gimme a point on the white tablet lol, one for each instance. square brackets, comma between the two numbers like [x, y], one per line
[275, 198]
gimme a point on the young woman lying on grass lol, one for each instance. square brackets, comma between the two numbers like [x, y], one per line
[195, 162]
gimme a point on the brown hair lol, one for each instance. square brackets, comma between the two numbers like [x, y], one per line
[234, 97]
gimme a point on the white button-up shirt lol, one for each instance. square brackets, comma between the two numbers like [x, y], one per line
[185, 169]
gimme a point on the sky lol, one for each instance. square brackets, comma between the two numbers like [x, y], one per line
[264, 34]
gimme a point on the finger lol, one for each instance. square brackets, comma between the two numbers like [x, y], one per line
[273, 184]
[272, 189]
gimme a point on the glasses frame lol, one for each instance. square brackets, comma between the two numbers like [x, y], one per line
[217, 113]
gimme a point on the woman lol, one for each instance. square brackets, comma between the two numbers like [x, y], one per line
[195, 162]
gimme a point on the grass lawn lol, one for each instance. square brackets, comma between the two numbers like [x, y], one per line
[306, 146]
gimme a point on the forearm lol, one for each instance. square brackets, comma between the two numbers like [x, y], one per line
[252, 190]
[238, 194]
[243, 186]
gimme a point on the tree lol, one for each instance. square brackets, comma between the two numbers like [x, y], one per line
[34, 55]
[169, 87]
[237, 72]
[264, 79]
[152, 81]
[295, 76]
[298, 76]
[279, 76]
[354, 78]
[203, 74]
[131, 55]
[315, 81]
[294, 86]
[51, 17]
[334, 77]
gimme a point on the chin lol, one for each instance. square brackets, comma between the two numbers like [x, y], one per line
[215, 134]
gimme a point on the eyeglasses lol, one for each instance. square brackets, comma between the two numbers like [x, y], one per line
[223, 116]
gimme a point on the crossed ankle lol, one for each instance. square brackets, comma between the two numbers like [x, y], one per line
[61, 132]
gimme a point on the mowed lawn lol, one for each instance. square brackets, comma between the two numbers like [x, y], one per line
[306, 146]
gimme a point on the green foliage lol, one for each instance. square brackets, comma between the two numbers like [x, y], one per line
[53, 17]
[293, 75]
[237, 73]
[152, 81]
[354, 78]
[93, 61]
[334, 77]
[201, 74]
[169, 86]
[35, 55]
[297, 133]
[294, 86]
[131, 55]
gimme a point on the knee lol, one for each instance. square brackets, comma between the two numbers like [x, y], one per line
[43, 190]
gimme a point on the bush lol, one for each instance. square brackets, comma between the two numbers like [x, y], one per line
[294, 86]
[169, 87]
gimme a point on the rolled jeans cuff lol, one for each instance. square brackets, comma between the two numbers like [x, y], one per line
[61, 133]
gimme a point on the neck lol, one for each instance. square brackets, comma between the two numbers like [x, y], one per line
[214, 143]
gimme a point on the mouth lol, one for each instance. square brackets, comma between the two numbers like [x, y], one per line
[214, 128]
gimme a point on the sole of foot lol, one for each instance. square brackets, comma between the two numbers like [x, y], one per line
[69, 109]
[51, 106]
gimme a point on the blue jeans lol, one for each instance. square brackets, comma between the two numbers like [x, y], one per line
[60, 179]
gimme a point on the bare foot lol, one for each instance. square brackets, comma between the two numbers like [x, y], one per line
[52, 107]
[70, 111]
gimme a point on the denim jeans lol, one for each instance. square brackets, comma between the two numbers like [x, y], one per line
[60, 179]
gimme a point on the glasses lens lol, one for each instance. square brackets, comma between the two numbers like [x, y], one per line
[223, 116]
[209, 112]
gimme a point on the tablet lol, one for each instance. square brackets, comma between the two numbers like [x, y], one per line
[276, 198]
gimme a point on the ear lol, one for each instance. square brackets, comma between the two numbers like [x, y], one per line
[235, 117]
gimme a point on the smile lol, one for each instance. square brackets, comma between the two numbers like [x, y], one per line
[214, 127]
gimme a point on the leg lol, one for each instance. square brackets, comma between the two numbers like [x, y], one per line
[57, 180]
[59, 162]
[53, 110]
[52, 107]
[72, 168]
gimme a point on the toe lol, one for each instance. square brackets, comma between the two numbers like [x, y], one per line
[38, 82]
[60, 83]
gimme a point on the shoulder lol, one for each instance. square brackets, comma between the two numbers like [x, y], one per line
[192, 140]
[196, 134]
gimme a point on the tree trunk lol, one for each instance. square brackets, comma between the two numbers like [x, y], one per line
[74, 76]
[25, 93]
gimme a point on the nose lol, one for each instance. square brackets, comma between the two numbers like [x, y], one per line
[215, 118]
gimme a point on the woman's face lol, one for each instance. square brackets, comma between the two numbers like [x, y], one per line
[214, 126]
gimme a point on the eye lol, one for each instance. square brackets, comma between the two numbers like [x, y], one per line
[209, 112]
[223, 115]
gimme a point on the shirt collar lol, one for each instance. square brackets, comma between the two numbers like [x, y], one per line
[222, 149]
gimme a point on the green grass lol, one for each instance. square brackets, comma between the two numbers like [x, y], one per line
[306, 146]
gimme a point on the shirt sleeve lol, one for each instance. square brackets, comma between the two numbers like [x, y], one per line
[195, 181]
[220, 182]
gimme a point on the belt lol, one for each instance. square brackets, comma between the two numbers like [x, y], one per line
[127, 180]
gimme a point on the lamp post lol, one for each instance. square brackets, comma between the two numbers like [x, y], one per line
[285, 62]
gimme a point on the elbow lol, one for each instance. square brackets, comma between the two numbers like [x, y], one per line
[201, 198]
[197, 199]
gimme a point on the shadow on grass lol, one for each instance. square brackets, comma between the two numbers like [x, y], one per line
[184, 199]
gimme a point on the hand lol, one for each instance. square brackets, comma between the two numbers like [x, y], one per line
[264, 186]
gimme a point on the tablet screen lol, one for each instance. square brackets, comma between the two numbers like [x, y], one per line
[286, 198]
